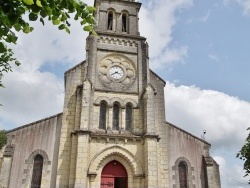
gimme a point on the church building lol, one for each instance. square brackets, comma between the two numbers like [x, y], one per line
[112, 132]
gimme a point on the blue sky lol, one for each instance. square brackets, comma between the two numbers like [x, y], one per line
[201, 49]
[218, 43]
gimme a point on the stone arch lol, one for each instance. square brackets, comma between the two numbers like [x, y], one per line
[111, 19]
[116, 99]
[27, 173]
[131, 101]
[38, 152]
[118, 153]
[190, 169]
[125, 21]
[102, 98]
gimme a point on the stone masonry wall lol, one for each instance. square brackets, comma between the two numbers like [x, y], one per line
[32, 139]
[188, 148]
[73, 80]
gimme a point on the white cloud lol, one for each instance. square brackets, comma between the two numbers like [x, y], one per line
[28, 97]
[214, 57]
[224, 117]
[32, 93]
[169, 56]
[245, 4]
[226, 2]
[229, 179]
[157, 19]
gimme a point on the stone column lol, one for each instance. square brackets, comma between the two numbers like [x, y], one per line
[82, 160]
[123, 119]
[85, 109]
[110, 118]
[151, 162]
[149, 111]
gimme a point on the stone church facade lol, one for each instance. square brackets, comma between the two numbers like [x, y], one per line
[112, 132]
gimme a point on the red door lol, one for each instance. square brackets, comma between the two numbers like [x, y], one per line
[107, 182]
[114, 175]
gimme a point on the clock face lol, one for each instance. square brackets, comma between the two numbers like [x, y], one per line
[116, 72]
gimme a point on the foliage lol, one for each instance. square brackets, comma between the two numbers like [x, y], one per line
[12, 13]
[3, 138]
[244, 154]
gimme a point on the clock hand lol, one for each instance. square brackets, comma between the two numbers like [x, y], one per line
[114, 73]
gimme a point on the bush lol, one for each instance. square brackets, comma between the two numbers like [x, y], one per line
[3, 138]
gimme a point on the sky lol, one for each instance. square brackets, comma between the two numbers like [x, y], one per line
[201, 50]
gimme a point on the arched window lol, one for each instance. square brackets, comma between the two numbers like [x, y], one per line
[110, 21]
[124, 23]
[182, 167]
[116, 116]
[37, 172]
[128, 117]
[103, 115]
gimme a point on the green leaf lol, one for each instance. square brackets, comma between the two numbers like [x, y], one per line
[56, 22]
[64, 17]
[2, 48]
[48, 11]
[33, 16]
[67, 30]
[90, 9]
[28, 2]
[41, 20]
[35, 8]
[68, 24]
[38, 3]
[26, 29]
[62, 26]
[11, 39]
[44, 13]
[75, 5]
[94, 33]
[87, 28]
[89, 20]
[17, 27]
[83, 22]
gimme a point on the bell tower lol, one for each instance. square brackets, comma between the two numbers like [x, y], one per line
[114, 104]
[117, 59]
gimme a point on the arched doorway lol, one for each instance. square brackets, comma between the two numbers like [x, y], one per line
[114, 175]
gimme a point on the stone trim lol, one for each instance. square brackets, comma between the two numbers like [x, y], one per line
[35, 122]
[124, 35]
[80, 132]
[100, 99]
[10, 148]
[188, 133]
[152, 136]
[209, 161]
[190, 173]
[27, 172]
[9, 151]
[116, 100]
[108, 154]
[131, 101]
[115, 41]
[110, 101]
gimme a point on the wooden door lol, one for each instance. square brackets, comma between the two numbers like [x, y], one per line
[114, 175]
[107, 182]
